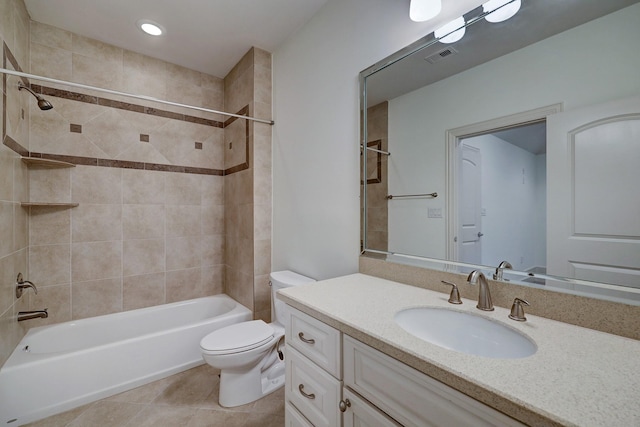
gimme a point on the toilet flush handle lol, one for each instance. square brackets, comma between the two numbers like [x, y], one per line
[280, 353]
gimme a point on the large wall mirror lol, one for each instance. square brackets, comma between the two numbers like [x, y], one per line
[519, 142]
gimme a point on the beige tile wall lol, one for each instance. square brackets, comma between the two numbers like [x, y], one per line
[238, 188]
[248, 193]
[112, 133]
[138, 238]
[377, 203]
[262, 191]
[14, 224]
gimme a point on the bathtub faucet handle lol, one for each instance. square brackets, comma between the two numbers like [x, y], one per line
[24, 284]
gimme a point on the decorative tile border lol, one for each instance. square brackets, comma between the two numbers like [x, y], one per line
[126, 164]
[8, 58]
[245, 165]
[105, 102]
[378, 145]
[5, 51]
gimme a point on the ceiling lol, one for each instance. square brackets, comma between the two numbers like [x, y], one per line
[530, 137]
[209, 36]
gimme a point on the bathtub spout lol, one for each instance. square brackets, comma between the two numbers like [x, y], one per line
[26, 315]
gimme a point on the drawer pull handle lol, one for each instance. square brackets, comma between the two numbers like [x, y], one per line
[344, 404]
[309, 395]
[308, 341]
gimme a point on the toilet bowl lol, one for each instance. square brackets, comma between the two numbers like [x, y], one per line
[250, 354]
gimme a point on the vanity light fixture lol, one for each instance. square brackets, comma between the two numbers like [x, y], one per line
[150, 27]
[451, 32]
[504, 9]
[423, 10]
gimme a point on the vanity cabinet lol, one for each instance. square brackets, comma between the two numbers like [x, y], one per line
[334, 380]
[313, 391]
[360, 413]
[313, 371]
[409, 396]
[315, 340]
[293, 418]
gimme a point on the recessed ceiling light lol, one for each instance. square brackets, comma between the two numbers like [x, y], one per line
[150, 27]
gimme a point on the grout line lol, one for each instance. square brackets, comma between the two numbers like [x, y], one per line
[122, 305]
[164, 236]
[70, 237]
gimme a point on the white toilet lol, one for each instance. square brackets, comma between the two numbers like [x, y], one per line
[247, 353]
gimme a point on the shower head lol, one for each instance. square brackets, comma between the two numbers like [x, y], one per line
[43, 104]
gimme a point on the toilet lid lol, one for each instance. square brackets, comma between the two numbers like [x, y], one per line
[236, 338]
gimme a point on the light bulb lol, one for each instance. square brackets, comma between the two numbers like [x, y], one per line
[423, 10]
[442, 33]
[503, 13]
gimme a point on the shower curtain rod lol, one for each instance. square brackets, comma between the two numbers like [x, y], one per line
[131, 95]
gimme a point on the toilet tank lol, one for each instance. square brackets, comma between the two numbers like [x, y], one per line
[282, 280]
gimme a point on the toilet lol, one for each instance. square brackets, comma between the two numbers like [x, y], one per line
[248, 353]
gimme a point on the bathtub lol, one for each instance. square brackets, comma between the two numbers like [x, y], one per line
[59, 367]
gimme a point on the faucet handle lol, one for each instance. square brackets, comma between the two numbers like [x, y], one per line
[454, 297]
[24, 284]
[500, 270]
[517, 311]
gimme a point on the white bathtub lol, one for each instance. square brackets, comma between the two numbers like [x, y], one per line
[59, 367]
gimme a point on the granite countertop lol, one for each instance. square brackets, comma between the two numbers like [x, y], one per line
[578, 376]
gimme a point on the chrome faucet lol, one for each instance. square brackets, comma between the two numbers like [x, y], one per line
[484, 296]
[498, 274]
[26, 315]
[24, 284]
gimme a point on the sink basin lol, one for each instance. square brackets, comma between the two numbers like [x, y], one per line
[465, 332]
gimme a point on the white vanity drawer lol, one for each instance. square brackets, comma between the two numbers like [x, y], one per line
[316, 340]
[409, 396]
[360, 413]
[293, 418]
[315, 393]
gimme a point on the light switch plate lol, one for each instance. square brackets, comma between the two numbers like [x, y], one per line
[434, 212]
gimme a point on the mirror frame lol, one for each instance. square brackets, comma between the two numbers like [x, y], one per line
[610, 292]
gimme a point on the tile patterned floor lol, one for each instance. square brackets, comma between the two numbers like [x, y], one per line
[187, 399]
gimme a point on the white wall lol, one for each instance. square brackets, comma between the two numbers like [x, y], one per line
[509, 188]
[593, 63]
[540, 256]
[315, 136]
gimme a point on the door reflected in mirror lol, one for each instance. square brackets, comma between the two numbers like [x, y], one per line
[505, 169]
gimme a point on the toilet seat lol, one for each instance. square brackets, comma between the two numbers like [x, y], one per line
[237, 338]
